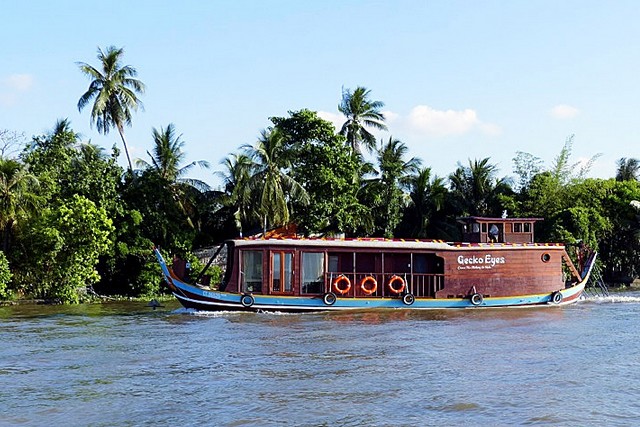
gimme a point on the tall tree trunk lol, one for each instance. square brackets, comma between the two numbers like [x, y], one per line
[126, 149]
[6, 236]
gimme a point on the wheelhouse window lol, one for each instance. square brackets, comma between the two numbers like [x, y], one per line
[527, 227]
[517, 227]
[251, 272]
[312, 272]
[282, 272]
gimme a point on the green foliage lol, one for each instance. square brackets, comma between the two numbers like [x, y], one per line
[5, 276]
[114, 91]
[60, 251]
[563, 171]
[386, 192]
[329, 173]
[271, 187]
[424, 215]
[628, 169]
[526, 166]
[475, 189]
[163, 220]
[361, 113]
[18, 197]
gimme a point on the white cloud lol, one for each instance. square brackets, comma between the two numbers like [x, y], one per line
[12, 85]
[426, 120]
[390, 117]
[19, 82]
[563, 112]
[337, 119]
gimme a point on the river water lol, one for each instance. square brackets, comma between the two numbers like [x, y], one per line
[123, 364]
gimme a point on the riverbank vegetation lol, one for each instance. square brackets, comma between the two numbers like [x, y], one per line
[74, 224]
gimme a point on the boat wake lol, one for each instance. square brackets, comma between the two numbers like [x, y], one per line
[630, 297]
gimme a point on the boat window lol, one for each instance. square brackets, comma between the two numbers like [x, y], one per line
[282, 272]
[312, 272]
[251, 271]
[527, 227]
[341, 262]
[397, 263]
[365, 263]
[276, 272]
[476, 227]
[517, 227]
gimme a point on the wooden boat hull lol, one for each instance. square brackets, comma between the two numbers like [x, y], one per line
[194, 297]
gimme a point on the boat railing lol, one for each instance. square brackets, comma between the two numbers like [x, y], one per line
[361, 284]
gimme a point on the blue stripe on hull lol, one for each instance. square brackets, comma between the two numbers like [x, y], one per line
[211, 300]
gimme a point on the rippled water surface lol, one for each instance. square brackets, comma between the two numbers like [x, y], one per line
[126, 365]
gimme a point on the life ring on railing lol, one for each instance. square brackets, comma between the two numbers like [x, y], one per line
[476, 299]
[392, 284]
[369, 285]
[342, 284]
[556, 297]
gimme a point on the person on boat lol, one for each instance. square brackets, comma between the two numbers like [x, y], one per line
[493, 233]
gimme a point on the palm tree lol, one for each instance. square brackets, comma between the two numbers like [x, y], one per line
[628, 169]
[387, 191]
[273, 186]
[17, 196]
[237, 192]
[475, 188]
[360, 113]
[168, 156]
[166, 160]
[114, 90]
[427, 198]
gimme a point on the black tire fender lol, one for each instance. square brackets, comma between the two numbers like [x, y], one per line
[556, 297]
[247, 300]
[329, 298]
[476, 299]
[408, 299]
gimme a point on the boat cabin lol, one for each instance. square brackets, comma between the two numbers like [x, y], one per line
[351, 267]
[476, 229]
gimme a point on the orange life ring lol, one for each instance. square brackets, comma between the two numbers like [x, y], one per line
[342, 284]
[392, 284]
[369, 285]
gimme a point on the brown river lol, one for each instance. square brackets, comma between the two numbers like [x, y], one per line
[123, 364]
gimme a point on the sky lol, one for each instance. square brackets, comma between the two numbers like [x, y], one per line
[460, 80]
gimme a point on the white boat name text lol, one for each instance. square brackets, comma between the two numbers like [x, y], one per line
[475, 262]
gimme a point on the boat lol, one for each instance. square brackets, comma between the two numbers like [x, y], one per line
[299, 274]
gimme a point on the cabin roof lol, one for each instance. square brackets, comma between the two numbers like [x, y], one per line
[377, 243]
[467, 219]
[362, 243]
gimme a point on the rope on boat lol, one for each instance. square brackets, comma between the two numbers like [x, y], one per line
[596, 287]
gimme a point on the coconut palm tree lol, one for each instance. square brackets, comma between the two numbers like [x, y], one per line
[427, 197]
[628, 169]
[475, 188]
[167, 157]
[17, 197]
[361, 113]
[114, 91]
[274, 188]
[166, 163]
[386, 192]
[237, 192]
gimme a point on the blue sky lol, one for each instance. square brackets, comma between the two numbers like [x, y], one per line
[460, 79]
